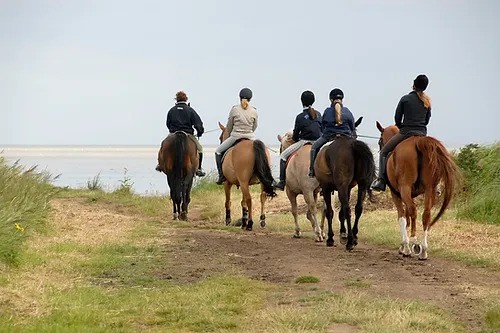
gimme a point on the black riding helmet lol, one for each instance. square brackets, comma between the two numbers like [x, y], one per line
[336, 94]
[245, 93]
[420, 83]
[307, 98]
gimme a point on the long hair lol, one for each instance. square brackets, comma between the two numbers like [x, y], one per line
[262, 169]
[312, 113]
[424, 98]
[244, 103]
[337, 105]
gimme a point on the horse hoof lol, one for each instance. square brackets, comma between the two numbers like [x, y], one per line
[329, 243]
[296, 236]
[343, 240]
[248, 228]
[416, 249]
[319, 239]
[262, 223]
[228, 221]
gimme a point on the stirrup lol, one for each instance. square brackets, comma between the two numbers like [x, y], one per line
[158, 168]
[280, 185]
[200, 173]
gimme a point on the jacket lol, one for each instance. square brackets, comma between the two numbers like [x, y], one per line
[331, 128]
[182, 117]
[305, 127]
[242, 123]
[411, 115]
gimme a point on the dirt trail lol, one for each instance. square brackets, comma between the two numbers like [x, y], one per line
[196, 253]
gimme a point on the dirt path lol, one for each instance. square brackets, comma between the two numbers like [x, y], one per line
[197, 253]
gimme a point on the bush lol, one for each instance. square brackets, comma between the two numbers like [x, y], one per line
[481, 169]
[24, 204]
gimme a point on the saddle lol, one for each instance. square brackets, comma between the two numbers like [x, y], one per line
[289, 159]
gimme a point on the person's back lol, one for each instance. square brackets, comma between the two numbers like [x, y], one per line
[332, 127]
[411, 115]
[242, 123]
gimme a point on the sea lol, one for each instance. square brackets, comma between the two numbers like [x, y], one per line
[75, 166]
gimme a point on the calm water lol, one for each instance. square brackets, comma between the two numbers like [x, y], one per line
[76, 165]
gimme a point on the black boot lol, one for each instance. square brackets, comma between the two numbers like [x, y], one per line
[379, 184]
[311, 165]
[218, 162]
[200, 172]
[158, 168]
[282, 182]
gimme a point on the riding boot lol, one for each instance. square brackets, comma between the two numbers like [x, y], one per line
[158, 168]
[282, 182]
[200, 172]
[311, 165]
[218, 162]
[379, 184]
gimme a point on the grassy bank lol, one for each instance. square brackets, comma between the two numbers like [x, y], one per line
[24, 198]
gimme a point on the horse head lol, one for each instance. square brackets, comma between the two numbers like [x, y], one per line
[285, 141]
[386, 133]
[224, 134]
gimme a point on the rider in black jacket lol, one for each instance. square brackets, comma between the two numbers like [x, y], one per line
[412, 117]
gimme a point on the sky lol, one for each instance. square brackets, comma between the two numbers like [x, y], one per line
[105, 72]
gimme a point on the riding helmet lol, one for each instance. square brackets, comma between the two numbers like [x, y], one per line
[245, 93]
[421, 82]
[336, 94]
[307, 98]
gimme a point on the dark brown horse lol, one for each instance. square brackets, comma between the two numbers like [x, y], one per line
[340, 166]
[247, 163]
[178, 159]
[417, 166]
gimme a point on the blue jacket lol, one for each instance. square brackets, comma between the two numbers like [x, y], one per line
[307, 128]
[331, 128]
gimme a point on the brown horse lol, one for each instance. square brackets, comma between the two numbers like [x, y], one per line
[345, 163]
[247, 163]
[417, 166]
[299, 182]
[178, 159]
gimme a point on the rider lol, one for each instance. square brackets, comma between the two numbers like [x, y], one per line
[412, 117]
[337, 120]
[241, 124]
[182, 117]
[307, 129]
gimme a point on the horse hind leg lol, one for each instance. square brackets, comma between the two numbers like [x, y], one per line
[327, 196]
[426, 220]
[312, 215]
[293, 202]
[227, 204]
[246, 207]
[404, 249]
[346, 211]
[263, 198]
[358, 210]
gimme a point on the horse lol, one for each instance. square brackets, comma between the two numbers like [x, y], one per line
[245, 164]
[178, 159]
[418, 165]
[343, 164]
[299, 182]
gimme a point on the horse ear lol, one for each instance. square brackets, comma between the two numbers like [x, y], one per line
[360, 119]
[280, 138]
[380, 128]
[222, 127]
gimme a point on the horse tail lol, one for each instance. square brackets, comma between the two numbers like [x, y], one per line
[178, 164]
[262, 169]
[442, 168]
[365, 165]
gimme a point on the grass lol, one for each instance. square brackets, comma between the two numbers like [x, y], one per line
[24, 198]
[307, 279]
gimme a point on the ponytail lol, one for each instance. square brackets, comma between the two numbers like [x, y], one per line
[425, 99]
[312, 113]
[244, 103]
[337, 104]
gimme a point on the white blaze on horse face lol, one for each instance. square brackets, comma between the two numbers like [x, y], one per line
[402, 227]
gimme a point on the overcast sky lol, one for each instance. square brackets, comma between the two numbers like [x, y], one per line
[105, 72]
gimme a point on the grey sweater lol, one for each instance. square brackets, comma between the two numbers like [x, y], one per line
[242, 123]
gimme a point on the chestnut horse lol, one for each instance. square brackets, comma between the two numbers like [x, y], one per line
[340, 166]
[247, 163]
[417, 166]
[299, 182]
[178, 159]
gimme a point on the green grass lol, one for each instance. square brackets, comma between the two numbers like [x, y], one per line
[24, 197]
[307, 279]
[493, 319]
[481, 168]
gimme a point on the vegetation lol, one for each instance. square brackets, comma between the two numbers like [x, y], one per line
[24, 198]
[481, 168]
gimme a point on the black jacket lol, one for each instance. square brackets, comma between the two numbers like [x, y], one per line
[306, 128]
[411, 115]
[182, 117]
